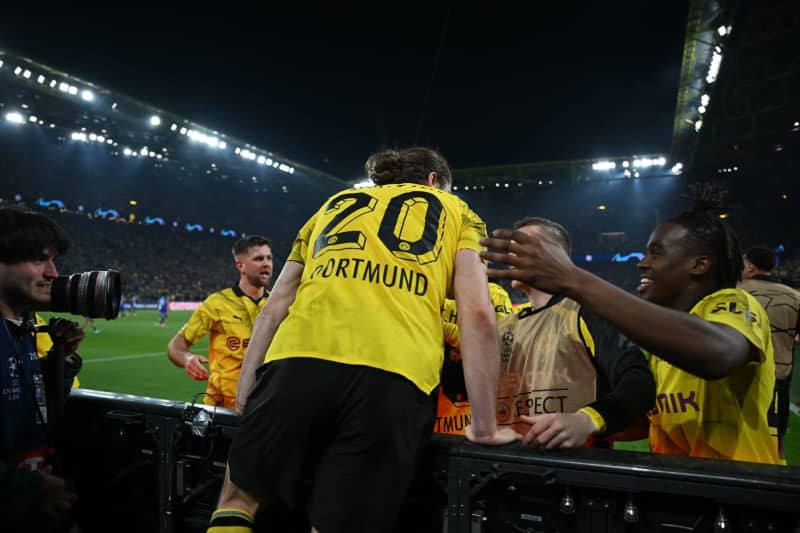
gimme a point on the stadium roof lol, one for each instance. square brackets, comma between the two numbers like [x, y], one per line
[77, 110]
[572, 171]
[707, 32]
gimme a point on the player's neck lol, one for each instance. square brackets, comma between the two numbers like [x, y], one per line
[251, 290]
[538, 298]
[10, 311]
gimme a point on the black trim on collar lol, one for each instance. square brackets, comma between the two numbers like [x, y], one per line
[239, 292]
[528, 311]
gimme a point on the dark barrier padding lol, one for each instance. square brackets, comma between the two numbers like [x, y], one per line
[146, 465]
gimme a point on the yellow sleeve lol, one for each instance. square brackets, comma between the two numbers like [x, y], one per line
[199, 324]
[472, 230]
[44, 343]
[43, 340]
[302, 241]
[597, 419]
[739, 310]
[501, 301]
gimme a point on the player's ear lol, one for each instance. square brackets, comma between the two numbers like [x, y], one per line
[433, 179]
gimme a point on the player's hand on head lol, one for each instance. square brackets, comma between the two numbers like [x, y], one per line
[501, 436]
[536, 260]
[194, 367]
[558, 430]
[65, 334]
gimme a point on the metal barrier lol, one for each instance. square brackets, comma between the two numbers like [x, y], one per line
[147, 465]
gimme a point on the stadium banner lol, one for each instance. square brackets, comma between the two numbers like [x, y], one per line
[184, 306]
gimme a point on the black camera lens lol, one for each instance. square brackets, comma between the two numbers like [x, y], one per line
[94, 294]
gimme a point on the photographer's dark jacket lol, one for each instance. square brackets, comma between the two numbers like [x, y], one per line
[24, 437]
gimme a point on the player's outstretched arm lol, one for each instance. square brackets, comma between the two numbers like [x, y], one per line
[178, 351]
[270, 317]
[706, 349]
[479, 350]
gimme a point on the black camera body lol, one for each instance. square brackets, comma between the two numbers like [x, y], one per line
[94, 294]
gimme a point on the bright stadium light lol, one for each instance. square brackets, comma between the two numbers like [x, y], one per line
[604, 165]
[72, 90]
[92, 137]
[222, 145]
[677, 168]
[701, 109]
[87, 95]
[155, 120]
[1, 63]
[722, 30]
[626, 164]
[698, 124]
[41, 79]
[291, 170]
[53, 84]
[713, 68]
[101, 139]
[173, 127]
[705, 99]
[127, 151]
[63, 87]
[18, 71]
[261, 160]
[15, 117]
[33, 118]
[26, 74]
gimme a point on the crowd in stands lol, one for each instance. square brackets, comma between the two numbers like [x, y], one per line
[603, 216]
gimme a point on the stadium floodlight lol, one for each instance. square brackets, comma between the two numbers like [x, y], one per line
[291, 170]
[41, 79]
[602, 207]
[713, 67]
[33, 118]
[275, 164]
[143, 151]
[78, 136]
[183, 131]
[722, 30]
[127, 151]
[237, 150]
[109, 141]
[101, 139]
[627, 173]
[155, 120]
[604, 165]
[52, 125]
[636, 174]
[222, 145]
[72, 90]
[283, 167]
[26, 74]
[173, 127]
[701, 109]
[15, 117]
[698, 124]
[268, 162]
[1, 63]
[261, 160]
[18, 71]
[626, 164]
[53, 84]
[92, 137]
[87, 95]
[63, 87]
[705, 99]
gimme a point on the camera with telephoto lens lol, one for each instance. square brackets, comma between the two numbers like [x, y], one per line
[94, 294]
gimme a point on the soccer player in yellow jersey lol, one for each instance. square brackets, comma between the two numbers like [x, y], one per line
[712, 359]
[353, 341]
[229, 316]
[452, 409]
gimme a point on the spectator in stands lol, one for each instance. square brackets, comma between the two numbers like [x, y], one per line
[353, 343]
[32, 390]
[711, 348]
[229, 316]
[783, 308]
[605, 388]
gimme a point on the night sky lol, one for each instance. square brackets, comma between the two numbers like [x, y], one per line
[328, 85]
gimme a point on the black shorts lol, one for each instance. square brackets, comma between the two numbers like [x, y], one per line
[353, 432]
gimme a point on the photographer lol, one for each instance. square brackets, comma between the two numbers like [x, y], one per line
[32, 391]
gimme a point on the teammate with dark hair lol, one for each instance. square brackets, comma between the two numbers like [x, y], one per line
[712, 354]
